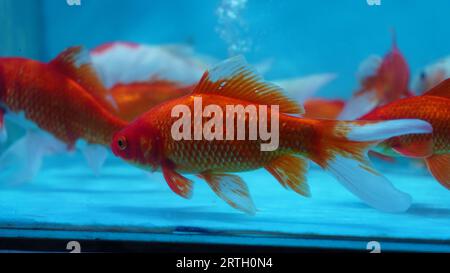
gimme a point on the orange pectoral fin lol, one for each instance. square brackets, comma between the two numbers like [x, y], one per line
[439, 166]
[177, 183]
[418, 149]
[290, 171]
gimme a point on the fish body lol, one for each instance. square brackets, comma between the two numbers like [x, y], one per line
[54, 101]
[61, 105]
[198, 156]
[433, 107]
[382, 80]
[337, 146]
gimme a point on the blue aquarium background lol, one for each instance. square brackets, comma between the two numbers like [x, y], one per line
[67, 201]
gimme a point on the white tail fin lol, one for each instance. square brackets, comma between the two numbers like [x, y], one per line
[344, 154]
[22, 160]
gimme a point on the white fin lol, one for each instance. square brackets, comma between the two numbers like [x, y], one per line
[302, 88]
[367, 184]
[344, 154]
[232, 190]
[95, 156]
[359, 105]
[23, 159]
[369, 67]
[386, 129]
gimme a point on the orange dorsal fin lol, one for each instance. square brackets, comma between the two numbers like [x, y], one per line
[234, 78]
[75, 64]
[440, 90]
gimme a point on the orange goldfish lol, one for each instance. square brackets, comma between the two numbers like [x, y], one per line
[62, 97]
[382, 81]
[433, 107]
[134, 99]
[339, 147]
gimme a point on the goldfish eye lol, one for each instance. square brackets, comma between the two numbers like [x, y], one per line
[122, 143]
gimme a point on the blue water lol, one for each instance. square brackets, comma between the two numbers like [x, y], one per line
[299, 37]
[302, 37]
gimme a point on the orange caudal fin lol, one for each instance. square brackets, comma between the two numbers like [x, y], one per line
[439, 166]
[75, 63]
[343, 152]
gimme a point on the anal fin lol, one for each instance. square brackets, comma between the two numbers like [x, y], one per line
[439, 166]
[232, 190]
[290, 171]
[177, 183]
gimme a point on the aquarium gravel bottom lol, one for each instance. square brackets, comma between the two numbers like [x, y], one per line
[123, 203]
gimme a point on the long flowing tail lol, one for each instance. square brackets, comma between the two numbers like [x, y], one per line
[343, 152]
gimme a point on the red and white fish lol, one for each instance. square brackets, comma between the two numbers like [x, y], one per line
[382, 80]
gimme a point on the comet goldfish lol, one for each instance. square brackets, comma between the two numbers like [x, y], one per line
[433, 107]
[340, 147]
[59, 103]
